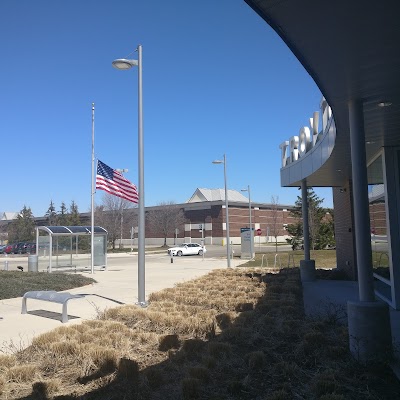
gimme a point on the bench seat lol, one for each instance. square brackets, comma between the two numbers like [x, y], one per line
[53, 297]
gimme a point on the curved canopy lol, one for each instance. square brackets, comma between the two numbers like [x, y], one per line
[351, 50]
[72, 230]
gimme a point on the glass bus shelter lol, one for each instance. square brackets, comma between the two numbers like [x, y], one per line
[68, 247]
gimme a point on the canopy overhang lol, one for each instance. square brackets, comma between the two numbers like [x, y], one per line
[71, 230]
[350, 49]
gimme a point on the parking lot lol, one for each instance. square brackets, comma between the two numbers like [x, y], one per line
[81, 262]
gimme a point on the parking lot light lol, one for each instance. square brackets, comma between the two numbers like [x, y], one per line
[124, 64]
[228, 245]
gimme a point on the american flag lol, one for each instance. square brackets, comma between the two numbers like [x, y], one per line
[113, 182]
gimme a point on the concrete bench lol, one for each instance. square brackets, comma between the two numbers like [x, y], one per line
[52, 296]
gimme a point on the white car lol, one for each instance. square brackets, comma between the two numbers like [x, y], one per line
[186, 249]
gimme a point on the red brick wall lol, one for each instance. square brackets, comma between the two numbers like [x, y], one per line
[211, 215]
[265, 217]
[344, 231]
[238, 218]
[377, 214]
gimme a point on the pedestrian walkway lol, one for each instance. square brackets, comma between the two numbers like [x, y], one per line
[323, 297]
[322, 294]
[115, 286]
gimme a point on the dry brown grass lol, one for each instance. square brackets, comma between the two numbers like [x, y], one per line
[233, 334]
[6, 362]
[325, 259]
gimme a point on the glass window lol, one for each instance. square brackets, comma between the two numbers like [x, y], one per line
[379, 224]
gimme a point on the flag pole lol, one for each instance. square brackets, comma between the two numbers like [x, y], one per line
[92, 201]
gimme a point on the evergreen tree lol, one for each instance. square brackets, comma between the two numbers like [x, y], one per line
[23, 228]
[73, 217]
[51, 215]
[63, 215]
[327, 230]
[320, 220]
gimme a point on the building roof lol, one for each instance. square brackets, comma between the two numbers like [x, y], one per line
[8, 216]
[201, 195]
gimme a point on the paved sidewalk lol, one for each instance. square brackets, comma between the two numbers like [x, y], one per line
[322, 296]
[117, 285]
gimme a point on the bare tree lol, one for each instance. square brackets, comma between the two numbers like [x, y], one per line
[115, 214]
[51, 214]
[166, 219]
[277, 220]
[3, 232]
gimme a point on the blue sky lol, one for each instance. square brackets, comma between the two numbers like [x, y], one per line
[216, 79]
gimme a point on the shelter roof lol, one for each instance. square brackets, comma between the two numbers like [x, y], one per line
[72, 230]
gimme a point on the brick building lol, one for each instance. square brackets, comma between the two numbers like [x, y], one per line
[206, 208]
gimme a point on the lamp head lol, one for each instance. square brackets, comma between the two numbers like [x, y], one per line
[217, 162]
[123, 63]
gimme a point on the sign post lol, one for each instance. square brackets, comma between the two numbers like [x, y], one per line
[259, 232]
[176, 235]
[202, 237]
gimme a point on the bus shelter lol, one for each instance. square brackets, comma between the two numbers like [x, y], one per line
[69, 247]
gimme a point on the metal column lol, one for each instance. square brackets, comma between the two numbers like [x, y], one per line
[307, 266]
[306, 226]
[360, 201]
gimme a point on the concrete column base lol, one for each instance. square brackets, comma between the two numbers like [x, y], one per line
[307, 270]
[370, 334]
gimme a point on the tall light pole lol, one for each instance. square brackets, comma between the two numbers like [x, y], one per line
[251, 230]
[123, 170]
[228, 244]
[93, 190]
[127, 64]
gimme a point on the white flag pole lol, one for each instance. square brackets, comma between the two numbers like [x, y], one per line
[92, 201]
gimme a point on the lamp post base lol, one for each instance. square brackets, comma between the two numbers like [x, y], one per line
[370, 334]
[307, 270]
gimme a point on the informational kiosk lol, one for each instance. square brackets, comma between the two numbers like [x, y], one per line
[247, 237]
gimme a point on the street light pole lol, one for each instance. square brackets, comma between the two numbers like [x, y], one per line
[228, 244]
[121, 208]
[127, 64]
[251, 230]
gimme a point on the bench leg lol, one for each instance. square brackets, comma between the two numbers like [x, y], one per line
[23, 310]
[64, 313]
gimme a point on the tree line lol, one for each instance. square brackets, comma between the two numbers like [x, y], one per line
[118, 217]
[22, 229]
[114, 214]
